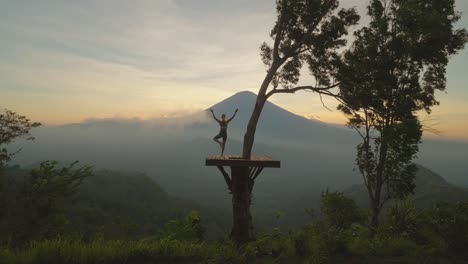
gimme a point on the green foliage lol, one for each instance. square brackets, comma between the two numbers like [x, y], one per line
[12, 127]
[306, 32]
[111, 205]
[339, 210]
[362, 242]
[36, 206]
[318, 242]
[122, 206]
[358, 240]
[404, 219]
[450, 221]
[190, 228]
[275, 245]
[115, 251]
[47, 186]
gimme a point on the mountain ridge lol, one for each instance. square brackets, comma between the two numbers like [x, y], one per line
[430, 188]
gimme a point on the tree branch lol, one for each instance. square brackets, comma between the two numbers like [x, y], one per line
[279, 35]
[321, 90]
[323, 104]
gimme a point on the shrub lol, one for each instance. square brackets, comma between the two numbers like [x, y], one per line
[274, 245]
[190, 228]
[403, 219]
[339, 210]
[318, 242]
[359, 241]
[397, 246]
[450, 221]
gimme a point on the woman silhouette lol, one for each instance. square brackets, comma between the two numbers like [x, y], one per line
[223, 123]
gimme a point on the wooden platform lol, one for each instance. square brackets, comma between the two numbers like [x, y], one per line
[238, 161]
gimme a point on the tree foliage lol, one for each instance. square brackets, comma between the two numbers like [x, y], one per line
[36, 208]
[391, 72]
[306, 32]
[12, 127]
[47, 186]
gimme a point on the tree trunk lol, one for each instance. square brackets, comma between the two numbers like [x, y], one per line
[375, 215]
[242, 228]
[376, 203]
[249, 136]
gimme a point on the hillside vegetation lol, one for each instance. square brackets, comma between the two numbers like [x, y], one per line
[117, 217]
[113, 205]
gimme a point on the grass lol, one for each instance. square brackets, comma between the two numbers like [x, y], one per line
[149, 251]
[117, 251]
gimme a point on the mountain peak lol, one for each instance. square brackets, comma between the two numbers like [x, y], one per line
[243, 100]
[244, 94]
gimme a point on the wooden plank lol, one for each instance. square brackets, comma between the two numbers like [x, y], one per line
[237, 161]
[232, 157]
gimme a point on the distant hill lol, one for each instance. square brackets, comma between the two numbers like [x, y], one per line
[430, 188]
[123, 205]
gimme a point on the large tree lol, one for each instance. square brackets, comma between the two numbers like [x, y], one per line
[390, 73]
[12, 127]
[306, 32]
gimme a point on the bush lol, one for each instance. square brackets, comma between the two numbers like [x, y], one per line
[360, 242]
[339, 210]
[274, 245]
[403, 219]
[190, 228]
[397, 246]
[318, 242]
[450, 221]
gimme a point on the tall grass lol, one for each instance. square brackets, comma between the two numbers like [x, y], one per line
[113, 251]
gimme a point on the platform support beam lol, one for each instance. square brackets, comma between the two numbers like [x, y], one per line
[242, 184]
[226, 178]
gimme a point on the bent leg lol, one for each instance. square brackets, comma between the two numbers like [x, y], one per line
[216, 139]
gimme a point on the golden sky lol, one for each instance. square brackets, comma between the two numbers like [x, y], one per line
[65, 62]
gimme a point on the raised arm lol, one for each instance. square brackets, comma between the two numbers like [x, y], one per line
[211, 110]
[229, 120]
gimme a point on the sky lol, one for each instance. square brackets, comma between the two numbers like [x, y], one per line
[68, 61]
